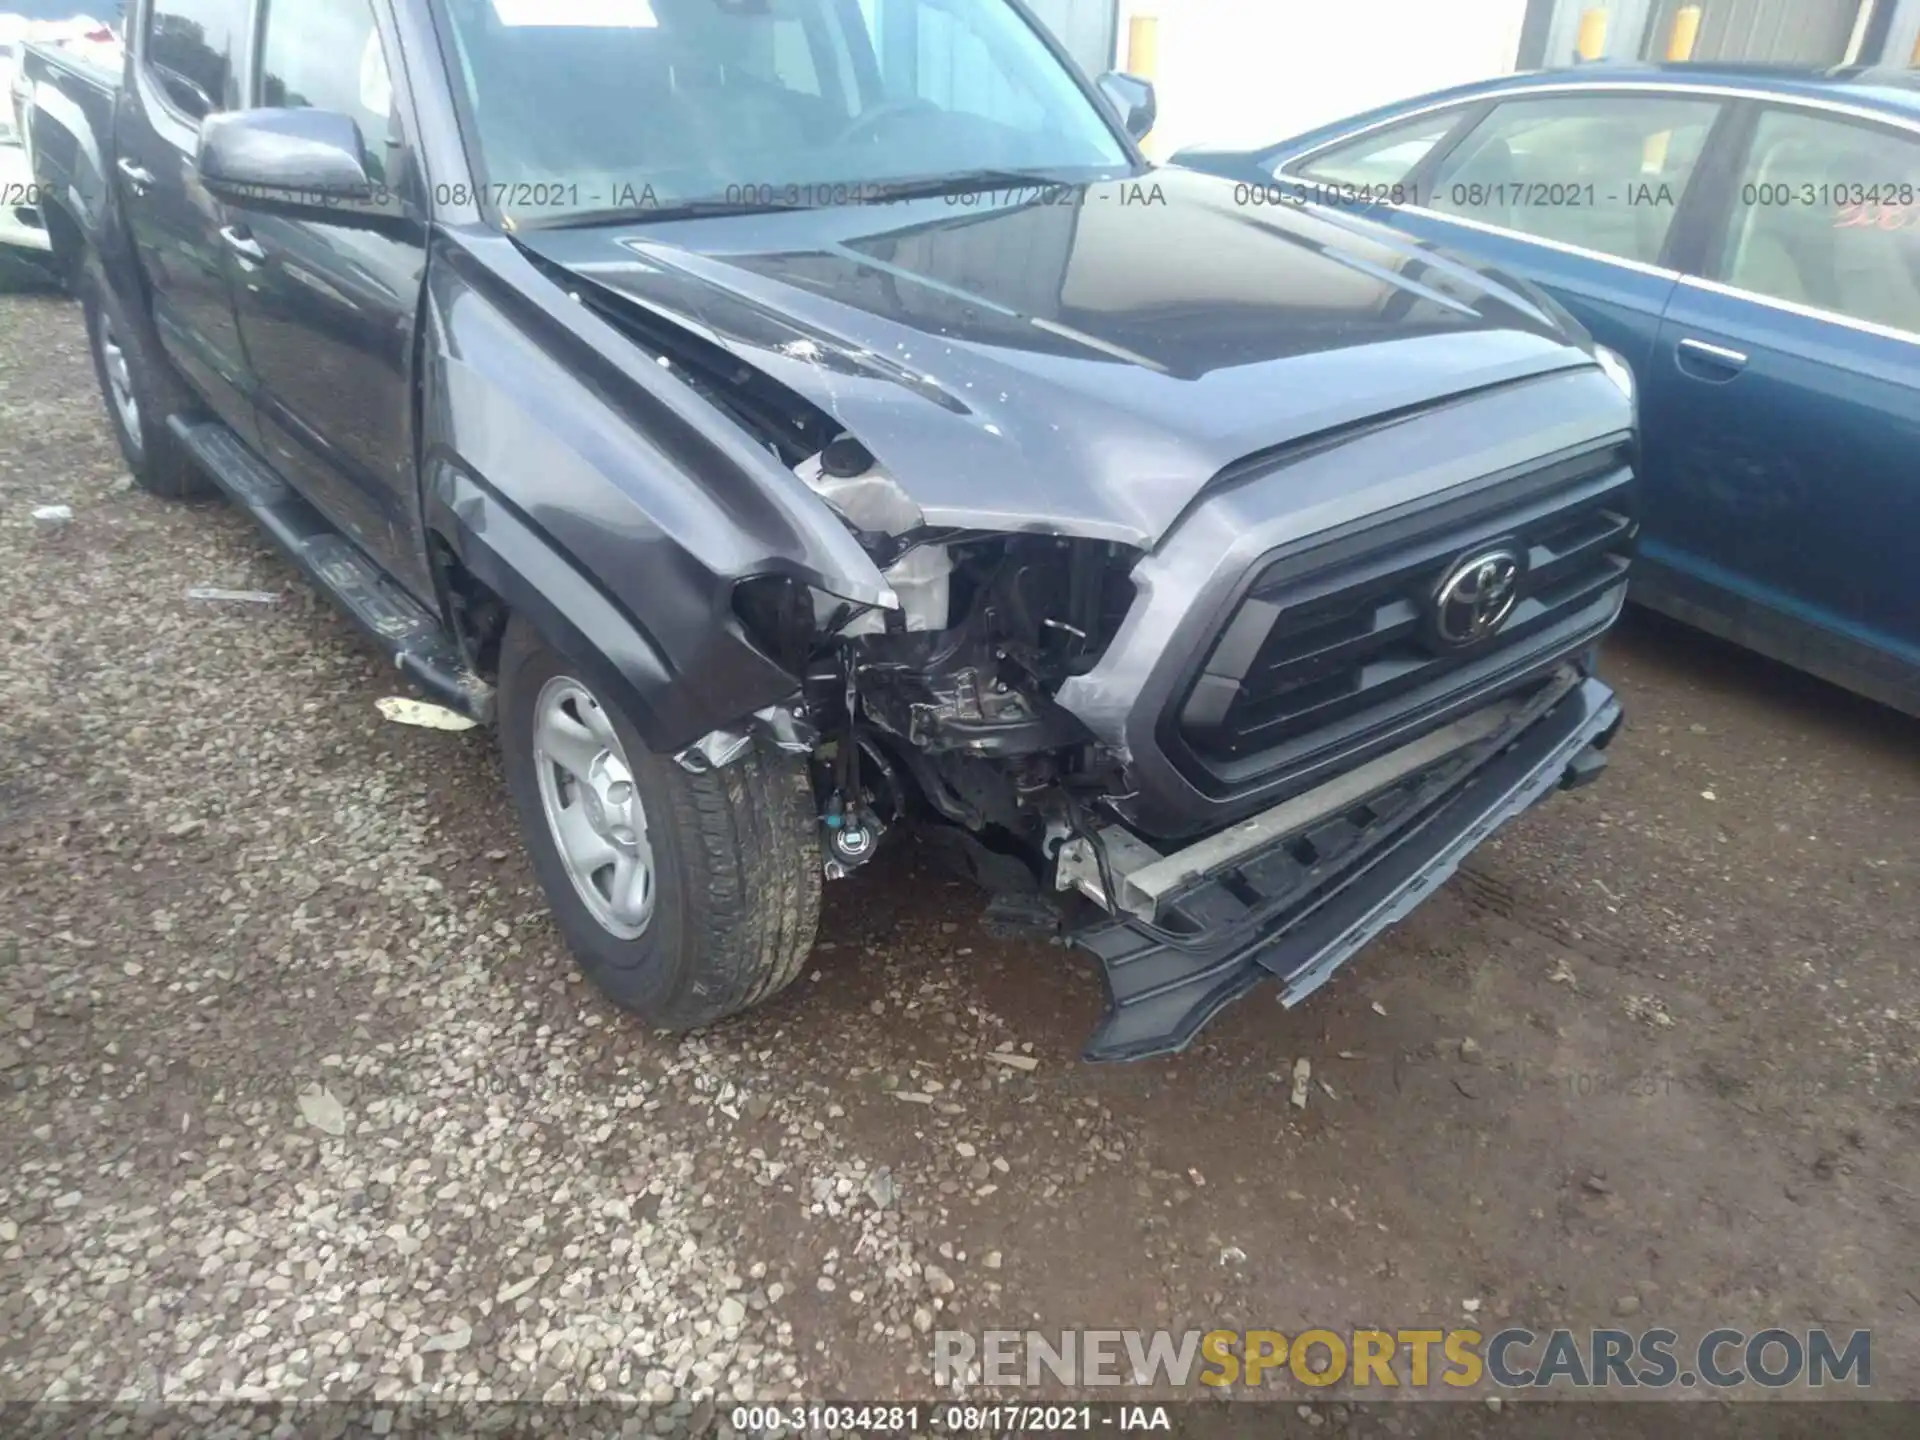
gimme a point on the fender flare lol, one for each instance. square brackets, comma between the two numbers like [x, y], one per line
[505, 552]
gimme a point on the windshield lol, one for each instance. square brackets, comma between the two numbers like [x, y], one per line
[578, 106]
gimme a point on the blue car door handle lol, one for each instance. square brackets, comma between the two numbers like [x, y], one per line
[1715, 363]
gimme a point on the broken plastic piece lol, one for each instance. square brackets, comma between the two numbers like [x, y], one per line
[418, 712]
[793, 733]
[784, 729]
[251, 597]
[715, 750]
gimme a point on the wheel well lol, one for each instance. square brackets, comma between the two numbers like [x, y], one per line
[69, 245]
[478, 615]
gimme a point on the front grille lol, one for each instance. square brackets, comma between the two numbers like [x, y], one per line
[1338, 642]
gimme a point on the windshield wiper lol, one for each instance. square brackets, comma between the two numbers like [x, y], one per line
[640, 214]
[860, 193]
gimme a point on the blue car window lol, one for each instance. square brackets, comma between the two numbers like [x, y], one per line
[1381, 157]
[1827, 214]
[1605, 172]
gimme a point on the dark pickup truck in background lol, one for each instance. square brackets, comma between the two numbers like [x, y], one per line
[785, 418]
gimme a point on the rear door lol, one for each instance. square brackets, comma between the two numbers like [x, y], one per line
[189, 64]
[1578, 191]
[329, 307]
[1786, 402]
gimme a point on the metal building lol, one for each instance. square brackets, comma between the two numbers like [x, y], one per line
[1247, 71]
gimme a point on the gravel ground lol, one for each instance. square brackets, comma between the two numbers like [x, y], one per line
[300, 1096]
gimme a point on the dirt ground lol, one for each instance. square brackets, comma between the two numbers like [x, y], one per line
[300, 1096]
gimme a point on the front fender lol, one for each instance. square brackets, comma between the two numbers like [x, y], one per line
[503, 552]
[605, 499]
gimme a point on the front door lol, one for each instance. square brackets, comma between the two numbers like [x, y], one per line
[187, 66]
[329, 309]
[1785, 390]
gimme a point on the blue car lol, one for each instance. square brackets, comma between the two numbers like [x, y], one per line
[1749, 242]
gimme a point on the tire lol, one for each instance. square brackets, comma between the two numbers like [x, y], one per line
[735, 899]
[157, 460]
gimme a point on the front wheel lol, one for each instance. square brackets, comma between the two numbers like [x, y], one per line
[686, 898]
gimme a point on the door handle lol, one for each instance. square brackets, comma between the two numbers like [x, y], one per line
[242, 244]
[139, 179]
[1709, 362]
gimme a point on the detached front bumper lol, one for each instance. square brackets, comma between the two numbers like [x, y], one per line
[1272, 898]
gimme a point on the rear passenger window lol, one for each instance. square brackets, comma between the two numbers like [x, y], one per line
[1827, 214]
[190, 48]
[1605, 172]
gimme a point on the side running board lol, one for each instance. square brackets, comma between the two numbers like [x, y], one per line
[420, 645]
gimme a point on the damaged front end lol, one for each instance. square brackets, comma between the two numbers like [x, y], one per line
[944, 701]
[1252, 747]
[933, 693]
[948, 702]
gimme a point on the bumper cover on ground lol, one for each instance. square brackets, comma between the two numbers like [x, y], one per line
[1300, 906]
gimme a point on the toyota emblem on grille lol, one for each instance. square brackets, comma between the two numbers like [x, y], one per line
[1478, 594]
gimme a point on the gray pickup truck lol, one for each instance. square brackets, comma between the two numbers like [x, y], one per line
[786, 419]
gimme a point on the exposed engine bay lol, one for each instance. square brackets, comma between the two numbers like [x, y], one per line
[944, 703]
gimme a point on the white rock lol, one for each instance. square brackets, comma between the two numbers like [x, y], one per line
[323, 1110]
[457, 1338]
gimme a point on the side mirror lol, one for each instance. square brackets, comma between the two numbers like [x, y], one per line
[1133, 98]
[294, 159]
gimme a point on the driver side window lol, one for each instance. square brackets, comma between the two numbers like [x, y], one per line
[327, 55]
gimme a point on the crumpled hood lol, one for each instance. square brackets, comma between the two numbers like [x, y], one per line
[1082, 363]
